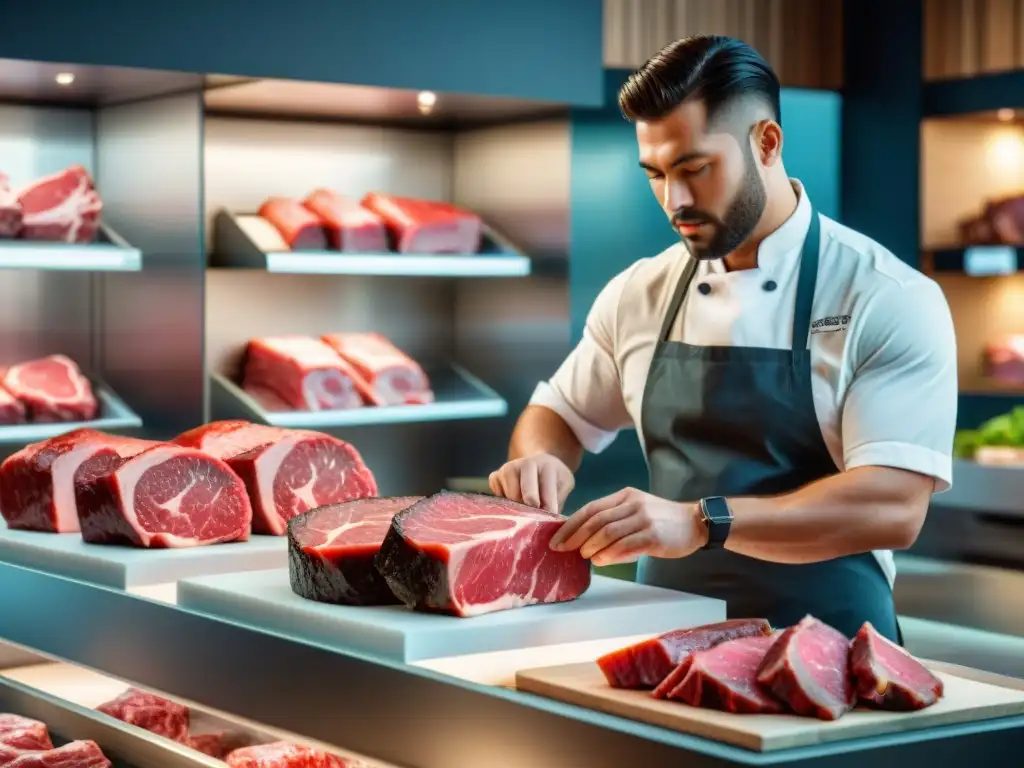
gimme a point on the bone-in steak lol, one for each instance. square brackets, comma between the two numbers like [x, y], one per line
[887, 676]
[468, 554]
[167, 496]
[331, 551]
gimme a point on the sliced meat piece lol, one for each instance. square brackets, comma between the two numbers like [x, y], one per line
[427, 226]
[24, 733]
[74, 754]
[12, 411]
[300, 470]
[300, 228]
[217, 745]
[469, 554]
[350, 227]
[282, 754]
[10, 209]
[63, 207]
[392, 376]
[37, 484]
[649, 662]
[227, 438]
[304, 372]
[167, 496]
[151, 713]
[808, 669]
[725, 677]
[53, 389]
[331, 551]
[888, 677]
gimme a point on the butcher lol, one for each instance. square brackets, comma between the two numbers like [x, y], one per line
[792, 382]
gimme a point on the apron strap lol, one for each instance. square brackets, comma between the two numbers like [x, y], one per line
[807, 281]
[682, 286]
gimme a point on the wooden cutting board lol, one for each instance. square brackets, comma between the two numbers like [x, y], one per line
[583, 685]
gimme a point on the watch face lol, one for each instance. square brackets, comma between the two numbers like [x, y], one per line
[716, 509]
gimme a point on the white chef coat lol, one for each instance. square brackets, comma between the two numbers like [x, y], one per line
[883, 348]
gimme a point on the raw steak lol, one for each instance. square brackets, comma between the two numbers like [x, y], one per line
[150, 712]
[53, 389]
[63, 207]
[427, 226]
[37, 484]
[331, 551]
[297, 472]
[224, 439]
[808, 669]
[887, 676]
[649, 662]
[282, 754]
[725, 678]
[11, 409]
[469, 554]
[1004, 359]
[304, 372]
[75, 754]
[217, 745]
[300, 228]
[350, 227]
[167, 496]
[10, 209]
[392, 377]
[24, 733]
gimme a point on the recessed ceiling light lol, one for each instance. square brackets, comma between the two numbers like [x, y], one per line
[426, 101]
[65, 78]
[1005, 115]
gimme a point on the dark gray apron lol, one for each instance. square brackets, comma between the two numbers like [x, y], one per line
[740, 421]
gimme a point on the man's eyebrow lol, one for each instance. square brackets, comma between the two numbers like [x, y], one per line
[683, 158]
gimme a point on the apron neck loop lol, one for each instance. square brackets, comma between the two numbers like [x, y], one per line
[805, 286]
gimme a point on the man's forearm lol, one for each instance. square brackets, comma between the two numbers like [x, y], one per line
[541, 430]
[861, 510]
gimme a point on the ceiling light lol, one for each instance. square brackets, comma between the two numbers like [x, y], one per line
[65, 78]
[1005, 115]
[426, 101]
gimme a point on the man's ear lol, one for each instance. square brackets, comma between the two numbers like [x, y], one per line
[767, 140]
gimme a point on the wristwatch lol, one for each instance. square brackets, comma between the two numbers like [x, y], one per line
[715, 512]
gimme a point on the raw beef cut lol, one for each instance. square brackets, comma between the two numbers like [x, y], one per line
[217, 745]
[74, 754]
[888, 677]
[63, 207]
[469, 554]
[11, 409]
[300, 228]
[224, 439]
[350, 227]
[304, 372]
[725, 678]
[1004, 359]
[331, 551]
[392, 377]
[53, 389]
[37, 484]
[649, 662]
[167, 496]
[808, 669]
[427, 226]
[300, 470]
[282, 754]
[150, 712]
[24, 733]
[10, 210]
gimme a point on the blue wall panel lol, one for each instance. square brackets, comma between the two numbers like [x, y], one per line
[538, 49]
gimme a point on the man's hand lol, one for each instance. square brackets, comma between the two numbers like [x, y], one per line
[542, 481]
[622, 527]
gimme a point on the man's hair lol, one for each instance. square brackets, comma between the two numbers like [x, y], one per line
[717, 70]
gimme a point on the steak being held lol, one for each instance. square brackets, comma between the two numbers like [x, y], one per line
[469, 554]
[888, 677]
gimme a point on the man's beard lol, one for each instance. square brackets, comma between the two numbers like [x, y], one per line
[739, 222]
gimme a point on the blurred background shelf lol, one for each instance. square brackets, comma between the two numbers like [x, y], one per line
[114, 416]
[458, 395]
[110, 253]
[237, 244]
[985, 488]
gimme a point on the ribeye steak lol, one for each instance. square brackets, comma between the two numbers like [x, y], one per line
[888, 677]
[304, 372]
[62, 207]
[167, 496]
[469, 554]
[37, 484]
[391, 376]
[331, 551]
[53, 389]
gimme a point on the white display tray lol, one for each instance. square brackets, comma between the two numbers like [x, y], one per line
[65, 554]
[610, 608]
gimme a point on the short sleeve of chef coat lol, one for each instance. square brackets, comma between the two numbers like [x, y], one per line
[586, 390]
[900, 408]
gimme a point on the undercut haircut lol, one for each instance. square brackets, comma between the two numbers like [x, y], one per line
[720, 71]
